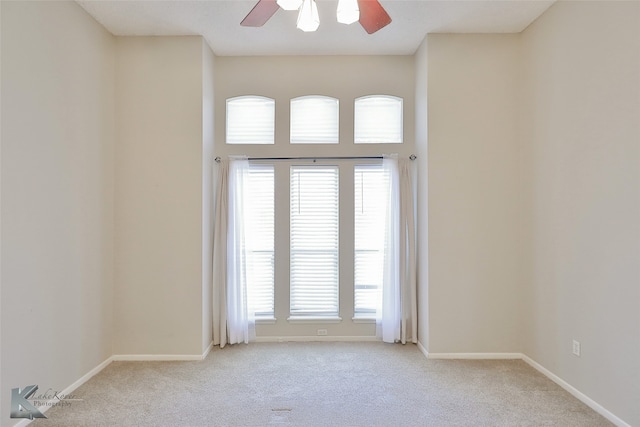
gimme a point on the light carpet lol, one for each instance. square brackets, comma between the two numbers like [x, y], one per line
[321, 384]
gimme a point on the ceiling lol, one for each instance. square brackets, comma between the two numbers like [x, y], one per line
[218, 21]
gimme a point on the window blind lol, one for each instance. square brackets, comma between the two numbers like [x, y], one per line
[314, 120]
[378, 119]
[259, 239]
[314, 241]
[371, 189]
[250, 120]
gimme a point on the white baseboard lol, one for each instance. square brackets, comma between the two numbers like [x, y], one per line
[478, 356]
[207, 351]
[322, 338]
[423, 350]
[68, 390]
[553, 377]
[575, 392]
[156, 357]
[459, 356]
[122, 357]
[161, 357]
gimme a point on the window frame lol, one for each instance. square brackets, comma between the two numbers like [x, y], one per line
[399, 101]
[257, 172]
[271, 132]
[301, 314]
[295, 105]
[381, 201]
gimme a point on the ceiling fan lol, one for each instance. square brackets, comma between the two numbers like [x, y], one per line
[372, 15]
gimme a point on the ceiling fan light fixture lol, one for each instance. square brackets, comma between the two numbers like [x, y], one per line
[308, 18]
[289, 4]
[348, 11]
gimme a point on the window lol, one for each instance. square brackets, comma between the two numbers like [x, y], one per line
[378, 119]
[371, 188]
[314, 241]
[314, 120]
[309, 250]
[309, 247]
[259, 239]
[250, 120]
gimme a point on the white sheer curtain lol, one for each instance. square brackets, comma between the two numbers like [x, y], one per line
[220, 255]
[408, 279]
[233, 321]
[396, 312]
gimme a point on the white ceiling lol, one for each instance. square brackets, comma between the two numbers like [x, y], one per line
[218, 21]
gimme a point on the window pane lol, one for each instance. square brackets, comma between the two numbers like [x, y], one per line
[314, 120]
[250, 120]
[259, 247]
[371, 188]
[378, 119]
[314, 240]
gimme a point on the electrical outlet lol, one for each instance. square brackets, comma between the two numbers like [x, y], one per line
[576, 348]
[322, 332]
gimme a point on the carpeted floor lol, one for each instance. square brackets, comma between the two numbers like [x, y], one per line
[321, 384]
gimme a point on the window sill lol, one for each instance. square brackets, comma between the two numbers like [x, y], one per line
[363, 320]
[314, 319]
[265, 320]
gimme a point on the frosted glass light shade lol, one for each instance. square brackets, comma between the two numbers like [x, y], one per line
[348, 11]
[289, 4]
[308, 18]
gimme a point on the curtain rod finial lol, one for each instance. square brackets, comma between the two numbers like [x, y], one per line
[218, 159]
[413, 157]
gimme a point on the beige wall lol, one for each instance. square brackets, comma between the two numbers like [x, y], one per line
[159, 178]
[534, 199]
[475, 287]
[57, 195]
[71, 194]
[581, 132]
[208, 98]
[421, 62]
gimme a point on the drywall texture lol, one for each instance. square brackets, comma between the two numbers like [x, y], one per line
[475, 289]
[581, 133]
[57, 195]
[158, 217]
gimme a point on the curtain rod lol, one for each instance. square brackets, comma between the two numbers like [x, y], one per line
[412, 157]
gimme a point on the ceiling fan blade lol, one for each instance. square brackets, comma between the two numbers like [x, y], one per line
[373, 16]
[260, 13]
